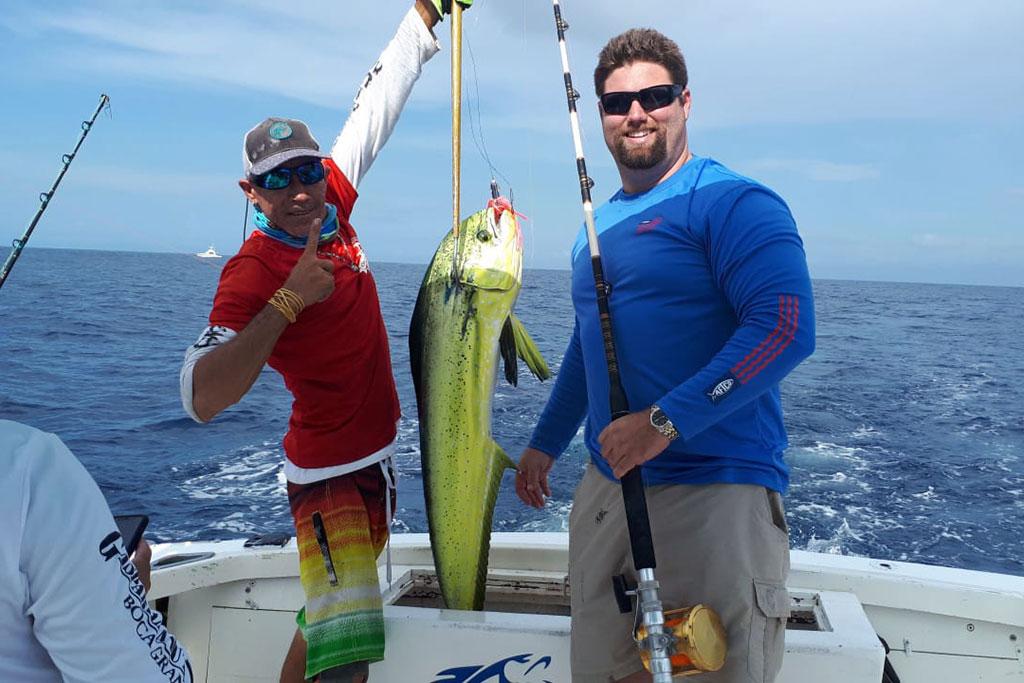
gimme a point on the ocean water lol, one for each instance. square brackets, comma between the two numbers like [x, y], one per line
[906, 426]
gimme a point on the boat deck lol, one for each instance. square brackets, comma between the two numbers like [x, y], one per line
[234, 609]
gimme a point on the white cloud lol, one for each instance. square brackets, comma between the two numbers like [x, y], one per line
[750, 62]
[971, 244]
[252, 48]
[816, 169]
[124, 179]
[918, 257]
[931, 240]
[753, 63]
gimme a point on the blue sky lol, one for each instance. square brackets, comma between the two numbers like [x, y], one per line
[892, 129]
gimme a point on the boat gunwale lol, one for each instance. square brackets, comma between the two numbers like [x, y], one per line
[961, 593]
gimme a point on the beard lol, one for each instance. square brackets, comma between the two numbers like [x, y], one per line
[644, 158]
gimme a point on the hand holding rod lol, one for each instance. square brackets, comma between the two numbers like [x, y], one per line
[658, 643]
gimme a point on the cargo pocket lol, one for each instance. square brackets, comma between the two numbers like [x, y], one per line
[767, 630]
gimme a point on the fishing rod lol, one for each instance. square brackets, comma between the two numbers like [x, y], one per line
[45, 197]
[658, 643]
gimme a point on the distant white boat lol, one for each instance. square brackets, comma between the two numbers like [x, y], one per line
[209, 253]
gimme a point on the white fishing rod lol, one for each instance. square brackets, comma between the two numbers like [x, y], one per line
[656, 643]
[45, 197]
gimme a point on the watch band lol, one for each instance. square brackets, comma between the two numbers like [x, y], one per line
[660, 421]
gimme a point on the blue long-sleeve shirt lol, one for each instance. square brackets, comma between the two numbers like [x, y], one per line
[711, 307]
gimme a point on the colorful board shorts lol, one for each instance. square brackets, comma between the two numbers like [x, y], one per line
[722, 545]
[341, 526]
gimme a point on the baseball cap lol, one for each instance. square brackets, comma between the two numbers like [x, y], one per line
[275, 141]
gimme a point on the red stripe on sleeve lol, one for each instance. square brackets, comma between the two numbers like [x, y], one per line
[779, 326]
[745, 373]
[793, 318]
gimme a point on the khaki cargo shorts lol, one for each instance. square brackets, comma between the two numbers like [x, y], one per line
[722, 545]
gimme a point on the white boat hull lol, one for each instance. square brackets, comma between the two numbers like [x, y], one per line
[235, 611]
[209, 253]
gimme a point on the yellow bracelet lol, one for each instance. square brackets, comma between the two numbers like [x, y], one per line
[297, 304]
[288, 303]
[293, 300]
[282, 310]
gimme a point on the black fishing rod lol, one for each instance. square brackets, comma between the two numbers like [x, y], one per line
[45, 197]
[658, 643]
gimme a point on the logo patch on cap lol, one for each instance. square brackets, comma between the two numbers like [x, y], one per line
[280, 130]
[717, 392]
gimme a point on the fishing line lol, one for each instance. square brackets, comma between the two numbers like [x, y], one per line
[476, 127]
[529, 145]
[473, 103]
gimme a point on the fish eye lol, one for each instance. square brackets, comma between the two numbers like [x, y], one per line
[483, 236]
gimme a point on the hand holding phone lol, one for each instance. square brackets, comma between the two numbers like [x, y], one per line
[143, 561]
[131, 528]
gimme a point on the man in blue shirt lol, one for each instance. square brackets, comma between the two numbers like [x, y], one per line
[711, 305]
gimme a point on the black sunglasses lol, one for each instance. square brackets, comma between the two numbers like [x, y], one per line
[655, 97]
[309, 173]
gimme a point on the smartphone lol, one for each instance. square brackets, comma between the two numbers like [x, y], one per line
[131, 528]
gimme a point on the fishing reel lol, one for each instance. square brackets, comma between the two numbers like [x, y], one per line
[691, 639]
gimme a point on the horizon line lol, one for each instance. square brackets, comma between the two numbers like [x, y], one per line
[565, 270]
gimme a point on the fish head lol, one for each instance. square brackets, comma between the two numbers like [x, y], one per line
[490, 248]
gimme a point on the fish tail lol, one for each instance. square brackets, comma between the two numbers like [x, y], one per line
[501, 457]
[503, 462]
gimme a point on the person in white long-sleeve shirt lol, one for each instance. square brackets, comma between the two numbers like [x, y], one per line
[299, 296]
[72, 605]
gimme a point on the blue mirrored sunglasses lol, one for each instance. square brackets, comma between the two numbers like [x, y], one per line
[655, 97]
[309, 173]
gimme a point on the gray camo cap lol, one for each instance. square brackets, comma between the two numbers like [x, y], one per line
[275, 141]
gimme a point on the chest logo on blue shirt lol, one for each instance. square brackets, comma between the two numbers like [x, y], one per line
[718, 391]
[648, 225]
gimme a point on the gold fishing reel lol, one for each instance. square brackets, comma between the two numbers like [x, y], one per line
[699, 641]
[672, 644]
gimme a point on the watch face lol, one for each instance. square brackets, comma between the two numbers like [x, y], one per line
[658, 418]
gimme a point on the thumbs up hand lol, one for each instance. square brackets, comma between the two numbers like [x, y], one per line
[312, 278]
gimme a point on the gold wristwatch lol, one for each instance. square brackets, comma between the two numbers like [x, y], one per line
[660, 421]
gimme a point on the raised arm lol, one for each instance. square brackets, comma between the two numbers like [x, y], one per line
[383, 92]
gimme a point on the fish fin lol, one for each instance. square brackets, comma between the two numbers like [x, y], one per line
[502, 457]
[416, 341]
[507, 344]
[528, 351]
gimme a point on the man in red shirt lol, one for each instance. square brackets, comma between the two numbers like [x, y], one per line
[299, 296]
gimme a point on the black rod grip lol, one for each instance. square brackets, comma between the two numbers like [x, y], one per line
[633, 494]
[640, 538]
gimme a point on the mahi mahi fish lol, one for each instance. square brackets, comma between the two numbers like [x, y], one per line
[462, 323]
